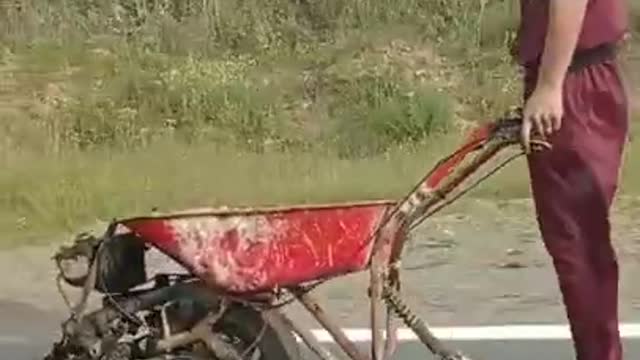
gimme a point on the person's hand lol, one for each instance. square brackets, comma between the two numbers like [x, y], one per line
[543, 113]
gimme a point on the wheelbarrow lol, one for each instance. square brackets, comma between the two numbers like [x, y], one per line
[242, 265]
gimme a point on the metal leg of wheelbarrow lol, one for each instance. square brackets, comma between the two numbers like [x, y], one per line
[305, 335]
[391, 341]
[329, 324]
[375, 295]
[381, 348]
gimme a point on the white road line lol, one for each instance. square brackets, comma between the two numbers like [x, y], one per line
[463, 333]
[13, 340]
[499, 332]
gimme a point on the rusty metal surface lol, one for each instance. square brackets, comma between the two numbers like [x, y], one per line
[391, 235]
[249, 251]
[329, 324]
[391, 341]
[437, 347]
[432, 192]
[252, 250]
[306, 336]
[436, 189]
[267, 250]
[375, 291]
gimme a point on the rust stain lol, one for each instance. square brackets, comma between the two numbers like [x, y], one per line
[212, 243]
[248, 251]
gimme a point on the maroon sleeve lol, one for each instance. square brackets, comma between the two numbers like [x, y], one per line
[605, 21]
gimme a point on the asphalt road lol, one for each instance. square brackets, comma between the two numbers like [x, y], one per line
[510, 350]
[26, 334]
[451, 279]
[12, 349]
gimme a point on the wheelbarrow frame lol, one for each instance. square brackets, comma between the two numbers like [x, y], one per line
[430, 195]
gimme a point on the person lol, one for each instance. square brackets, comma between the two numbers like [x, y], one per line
[575, 98]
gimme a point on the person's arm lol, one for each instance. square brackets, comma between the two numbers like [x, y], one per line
[563, 31]
[543, 111]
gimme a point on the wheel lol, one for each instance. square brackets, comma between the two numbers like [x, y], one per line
[241, 329]
[243, 325]
[242, 333]
[110, 333]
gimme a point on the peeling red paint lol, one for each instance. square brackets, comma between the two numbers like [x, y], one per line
[474, 140]
[253, 250]
[249, 252]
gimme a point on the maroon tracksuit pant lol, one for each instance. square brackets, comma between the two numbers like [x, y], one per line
[573, 186]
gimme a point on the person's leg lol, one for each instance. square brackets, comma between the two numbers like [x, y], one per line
[573, 186]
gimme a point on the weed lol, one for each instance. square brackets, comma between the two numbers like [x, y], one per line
[114, 107]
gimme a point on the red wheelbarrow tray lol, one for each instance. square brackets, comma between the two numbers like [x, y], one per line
[261, 249]
[252, 250]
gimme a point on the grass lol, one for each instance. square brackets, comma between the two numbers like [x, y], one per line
[170, 176]
[108, 109]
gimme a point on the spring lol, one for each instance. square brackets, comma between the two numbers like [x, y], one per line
[395, 302]
[411, 319]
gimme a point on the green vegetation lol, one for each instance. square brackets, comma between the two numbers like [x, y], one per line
[109, 108]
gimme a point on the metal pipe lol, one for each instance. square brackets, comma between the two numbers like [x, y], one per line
[201, 331]
[416, 324]
[391, 341]
[375, 299]
[305, 335]
[323, 318]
